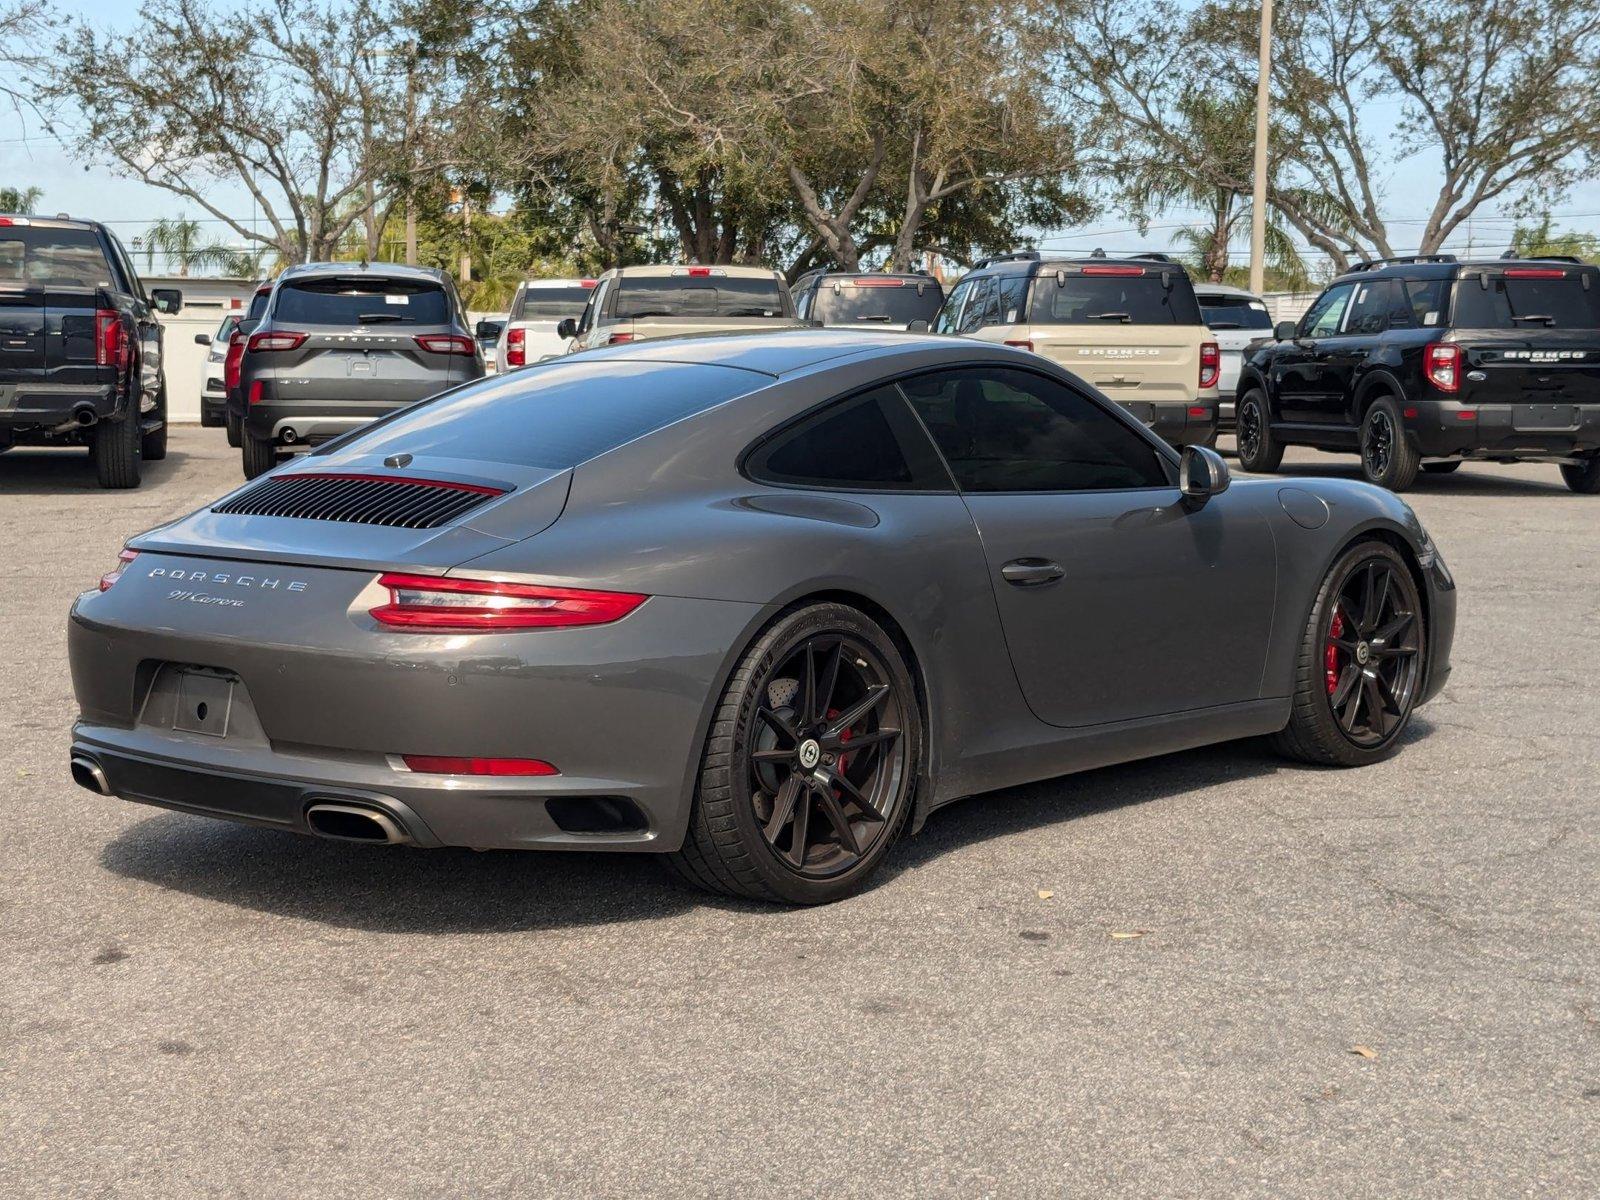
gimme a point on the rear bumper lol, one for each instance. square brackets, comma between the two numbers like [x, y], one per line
[213, 407]
[313, 421]
[1178, 423]
[1447, 429]
[30, 404]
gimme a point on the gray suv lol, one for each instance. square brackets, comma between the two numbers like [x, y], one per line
[341, 344]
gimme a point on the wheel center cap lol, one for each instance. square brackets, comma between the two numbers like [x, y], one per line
[1363, 653]
[810, 753]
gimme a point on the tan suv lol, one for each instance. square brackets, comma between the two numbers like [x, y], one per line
[631, 304]
[1129, 326]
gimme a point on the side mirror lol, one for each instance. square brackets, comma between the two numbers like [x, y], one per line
[917, 326]
[166, 300]
[202, 339]
[1202, 474]
[1286, 331]
[567, 327]
[488, 330]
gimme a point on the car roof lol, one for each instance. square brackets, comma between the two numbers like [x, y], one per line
[665, 270]
[912, 276]
[1037, 262]
[776, 352]
[558, 283]
[1223, 289]
[1448, 266]
[59, 221]
[383, 270]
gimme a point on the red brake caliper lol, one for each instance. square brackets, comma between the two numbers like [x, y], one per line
[1330, 656]
[843, 737]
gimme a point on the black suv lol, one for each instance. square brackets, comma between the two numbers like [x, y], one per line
[1426, 362]
[80, 346]
[341, 344]
[854, 298]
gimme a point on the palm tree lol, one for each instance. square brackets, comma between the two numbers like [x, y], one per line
[178, 240]
[20, 200]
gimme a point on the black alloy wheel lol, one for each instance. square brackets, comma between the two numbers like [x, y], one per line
[1258, 450]
[1387, 457]
[811, 765]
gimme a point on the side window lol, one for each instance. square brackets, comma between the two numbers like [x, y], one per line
[1399, 306]
[1323, 317]
[980, 301]
[851, 444]
[1369, 310]
[802, 302]
[1013, 291]
[1428, 299]
[946, 320]
[591, 311]
[1005, 430]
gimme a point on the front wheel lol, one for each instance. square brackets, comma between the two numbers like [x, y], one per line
[1259, 451]
[1583, 478]
[1361, 662]
[810, 768]
[1387, 457]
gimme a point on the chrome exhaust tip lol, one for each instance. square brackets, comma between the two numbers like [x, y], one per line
[354, 823]
[85, 415]
[86, 773]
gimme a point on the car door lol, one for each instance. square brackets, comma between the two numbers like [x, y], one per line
[949, 318]
[1297, 382]
[1118, 602]
[1341, 356]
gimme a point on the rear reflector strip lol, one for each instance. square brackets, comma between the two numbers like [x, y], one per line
[447, 764]
[397, 500]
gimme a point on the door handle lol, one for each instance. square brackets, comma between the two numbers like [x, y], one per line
[1031, 572]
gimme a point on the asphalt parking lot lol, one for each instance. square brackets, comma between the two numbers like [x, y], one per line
[196, 1008]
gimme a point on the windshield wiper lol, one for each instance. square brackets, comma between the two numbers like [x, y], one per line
[644, 312]
[1535, 317]
[748, 312]
[1123, 317]
[1224, 325]
[884, 317]
[380, 318]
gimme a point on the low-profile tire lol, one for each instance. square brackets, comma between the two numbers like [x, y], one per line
[1259, 451]
[1584, 479]
[1388, 458]
[235, 427]
[259, 455]
[115, 450]
[1361, 662]
[153, 445]
[810, 768]
[1446, 467]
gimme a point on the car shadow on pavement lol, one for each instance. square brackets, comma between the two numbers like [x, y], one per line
[397, 890]
[47, 472]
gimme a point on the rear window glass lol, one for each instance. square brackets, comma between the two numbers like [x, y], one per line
[1125, 300]
[52, 258]
[362, 301]
[558, 415]
[550, 303]
[1233, 312]
[896, 303]
[698, 296]
[1511, 303]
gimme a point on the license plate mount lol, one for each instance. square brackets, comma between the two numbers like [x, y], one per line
[1544, 416]
[204, 703]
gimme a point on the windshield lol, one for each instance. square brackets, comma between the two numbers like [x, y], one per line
[896, 303]
[1113, 300]
[1233, 312]
[555, 415]
[550, 303]
[361, 300]
[52, 258]
[698, 296]
[1544, 298]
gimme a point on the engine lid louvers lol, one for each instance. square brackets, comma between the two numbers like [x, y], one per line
[393, 500]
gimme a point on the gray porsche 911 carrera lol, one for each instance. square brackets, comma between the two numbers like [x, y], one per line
[758, 602]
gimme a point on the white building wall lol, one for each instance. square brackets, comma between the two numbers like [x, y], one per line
[205, 303]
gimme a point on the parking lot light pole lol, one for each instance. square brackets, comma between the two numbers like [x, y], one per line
[1258, 191]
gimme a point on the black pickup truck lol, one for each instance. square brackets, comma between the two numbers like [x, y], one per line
[1424, 363]
[80, 346]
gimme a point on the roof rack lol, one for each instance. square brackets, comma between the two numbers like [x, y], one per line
[1372, 264]
[1154, 255]
[1566, 258]
[1014, 256]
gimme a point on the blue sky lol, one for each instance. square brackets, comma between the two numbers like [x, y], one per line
[29, 156]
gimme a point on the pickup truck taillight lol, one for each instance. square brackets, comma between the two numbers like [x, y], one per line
[233, 361]
[619, 339]
[111, 347]
[516, 347]
[1210, 364]
[1441, 363]
[275, 339]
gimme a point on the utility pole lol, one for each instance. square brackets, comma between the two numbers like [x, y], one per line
[411, 119]
[1258, 191]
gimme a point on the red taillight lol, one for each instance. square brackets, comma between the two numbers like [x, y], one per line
[110, 339]
[7, 222]
[516, 347]
[448, 764]
[619, 339]
[1020, 343]
[698, 272]
[1113, 270]
[1466, 415]
[124, 557]
[276, 340]
[257, 391]
[1535, 273]
[1409, 414]
[231, 363]
[445, 343]
[587, 283]
[1199, 410]
[428, 602]
[877, 281]
[1210, 364]
[1441, 363]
